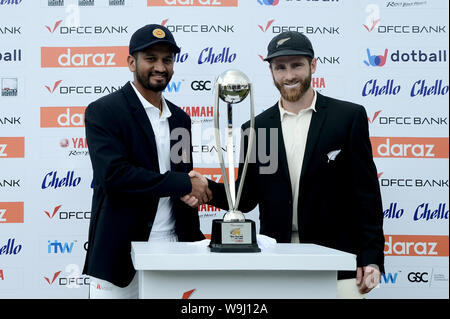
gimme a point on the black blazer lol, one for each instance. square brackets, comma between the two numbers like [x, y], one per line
[127, 183]
[339, 204]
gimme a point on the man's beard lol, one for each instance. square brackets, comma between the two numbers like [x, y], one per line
[145, 80]
[294, 94]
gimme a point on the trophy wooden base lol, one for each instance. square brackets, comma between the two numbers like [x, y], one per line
[233, 237]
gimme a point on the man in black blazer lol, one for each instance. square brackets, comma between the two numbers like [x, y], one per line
[140, 149]
[321, 184]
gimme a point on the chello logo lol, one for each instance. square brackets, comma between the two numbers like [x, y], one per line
[87, 57]
[209, 56]
[10, 248]
[71, 116]
[410, 147]
[4, 2]
[192, 3]
[51, 180]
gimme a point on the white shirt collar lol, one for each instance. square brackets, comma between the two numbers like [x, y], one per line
[152, 108]
[284, 112]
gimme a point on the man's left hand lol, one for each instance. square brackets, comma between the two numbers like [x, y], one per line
[367, 278]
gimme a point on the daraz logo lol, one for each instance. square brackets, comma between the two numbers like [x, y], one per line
[84, 57]
[410, 147]
[11, 212]
[192, 3]
[214, 174]
[12, 147]
[70, 116]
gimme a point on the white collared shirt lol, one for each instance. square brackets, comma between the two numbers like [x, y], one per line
[164, 219]
[295, 129]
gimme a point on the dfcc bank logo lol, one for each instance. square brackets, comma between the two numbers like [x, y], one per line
[12, 147]
[84, 57]
[192, 3]
[70, 116]
[410, 147]
[11, 212]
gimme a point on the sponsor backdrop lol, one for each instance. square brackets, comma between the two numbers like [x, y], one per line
[56, 56]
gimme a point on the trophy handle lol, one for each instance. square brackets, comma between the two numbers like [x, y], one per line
[249, 148]
[219, 146]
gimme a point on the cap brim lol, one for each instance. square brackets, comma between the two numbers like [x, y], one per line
[175, 48]
[286, 53]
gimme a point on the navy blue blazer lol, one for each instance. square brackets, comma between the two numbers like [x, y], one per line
[127, 183]
[339, 201]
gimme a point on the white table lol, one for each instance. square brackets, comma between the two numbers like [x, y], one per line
[285, 271]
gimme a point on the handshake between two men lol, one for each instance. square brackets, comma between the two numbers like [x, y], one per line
[200, 193]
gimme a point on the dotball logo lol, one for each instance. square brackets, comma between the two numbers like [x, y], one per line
[192, 3]
[70, 116]
[410, 147]
[84, 57]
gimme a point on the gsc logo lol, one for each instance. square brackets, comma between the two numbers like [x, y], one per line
[201, 85]
[418, 277]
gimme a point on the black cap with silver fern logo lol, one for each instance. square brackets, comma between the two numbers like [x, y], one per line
[289, 43]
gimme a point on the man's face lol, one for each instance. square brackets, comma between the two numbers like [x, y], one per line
[292, 75]
[153, 67]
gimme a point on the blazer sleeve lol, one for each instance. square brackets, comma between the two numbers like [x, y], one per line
[249, 198]
[113, 168]
[367, 193]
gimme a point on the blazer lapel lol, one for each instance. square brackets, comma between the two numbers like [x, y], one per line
[315, 128]
[174, 123]
[141, 117]
[283, 168]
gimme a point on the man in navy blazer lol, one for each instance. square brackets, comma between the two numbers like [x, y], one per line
[140, 149]
[320, 184]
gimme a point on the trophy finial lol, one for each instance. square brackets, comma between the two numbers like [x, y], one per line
[234, 86]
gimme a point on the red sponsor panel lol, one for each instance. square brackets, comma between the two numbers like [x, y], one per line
[12, 147]
[416, 245]
[62, 116]
[192, 3]
[84, 57]
[410, 147]
[11, 212]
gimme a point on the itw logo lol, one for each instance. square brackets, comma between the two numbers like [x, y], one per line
[58, 247]
[173, 87]
[388, 278]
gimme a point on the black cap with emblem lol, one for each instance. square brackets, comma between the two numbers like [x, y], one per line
[289, 43]
[149, 35]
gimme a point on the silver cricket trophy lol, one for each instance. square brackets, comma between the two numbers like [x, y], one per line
[233, 233]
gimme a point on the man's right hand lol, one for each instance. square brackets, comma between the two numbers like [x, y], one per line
[200, 193]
